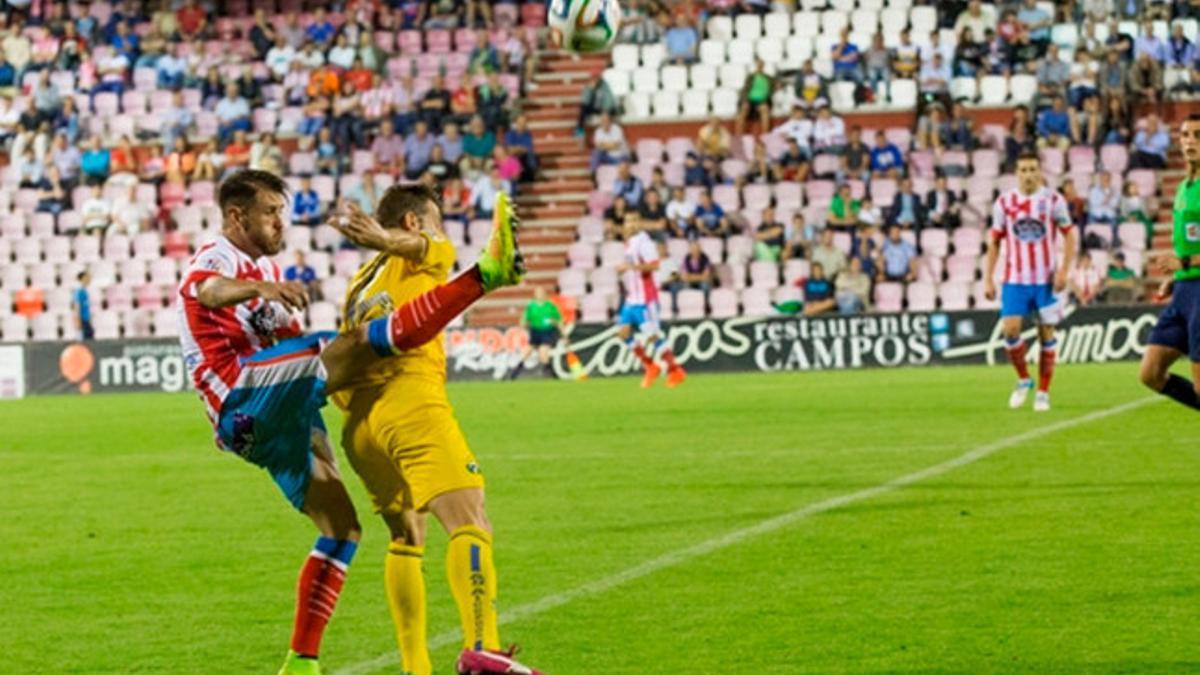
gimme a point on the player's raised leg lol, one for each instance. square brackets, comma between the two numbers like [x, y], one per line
[421, 319]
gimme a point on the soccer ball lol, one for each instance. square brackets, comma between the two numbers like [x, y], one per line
[584, 26]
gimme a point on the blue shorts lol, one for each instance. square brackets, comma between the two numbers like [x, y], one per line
[645, 318]
[1178, 326]
[1025, 299]
[272, 417]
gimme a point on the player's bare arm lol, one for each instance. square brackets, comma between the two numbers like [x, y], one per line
[217, 292]
[989, 269]
[367, 232]
[642, 267]
[1070, 244]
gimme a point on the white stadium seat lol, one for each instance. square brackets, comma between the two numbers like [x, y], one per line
[747, 26]
[798, 49]
[666, 104]
[993, 90]
[1023, 88]
[807, 24]
[864, 21]
[625, 57]
[770, 50]
[741, 51]
[695, 103]
[777, 25]
[618, 81]
[654, 55]
[903, 93]
[712, 52]
[720, 28]
[924, 19]
[733, 76]
[725, 102]
[963, 87]
[703, 77]
[833, 21]
[645, 80]
[841, 96]
[637, 106]
[674, 78]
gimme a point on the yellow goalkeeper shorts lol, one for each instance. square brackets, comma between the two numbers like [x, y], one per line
[405, 444]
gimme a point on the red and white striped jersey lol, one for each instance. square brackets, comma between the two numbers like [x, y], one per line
[640, 288]
[215, 340]
[1030, 226]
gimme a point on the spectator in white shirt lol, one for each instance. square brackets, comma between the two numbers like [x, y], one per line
[483, 194]
[129, 216]
[279, 58]
[976, 19]
[608, 143]
[680, 212]
[1085, 280]
[95, 212]
[342, 54]
[829, 132]
[1104, 199]
[797, 127]
[112, 70]
[310, 56]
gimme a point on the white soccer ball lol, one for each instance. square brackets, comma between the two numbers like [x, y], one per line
[584, 26]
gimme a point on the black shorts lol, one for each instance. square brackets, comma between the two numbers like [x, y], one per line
[1178, 326]
[547, 337]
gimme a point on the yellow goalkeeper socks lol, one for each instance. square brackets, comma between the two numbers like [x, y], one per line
[472, 577]
[405, 585]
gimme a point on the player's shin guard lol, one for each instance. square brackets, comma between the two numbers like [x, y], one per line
[420, 320]
[472, 578]
[317, 591]
[1046, 364]
[1015, 348]
[405, 585]
[1180, 389]
[640, 352]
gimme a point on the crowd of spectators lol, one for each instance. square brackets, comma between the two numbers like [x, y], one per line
[1085, 102]
[162, 93]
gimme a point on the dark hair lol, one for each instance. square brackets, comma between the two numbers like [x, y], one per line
[81, 275]
[1194, 117]
[243, 187]
[1027, 155]
[401, 199]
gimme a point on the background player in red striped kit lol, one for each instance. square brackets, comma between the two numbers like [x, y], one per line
[1033, 222]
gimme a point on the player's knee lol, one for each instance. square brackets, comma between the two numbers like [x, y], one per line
[1152, 376]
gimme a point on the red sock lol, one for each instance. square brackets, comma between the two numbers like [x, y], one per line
[1017, 356]
[321, 580]
[669, 358]
[1046, 364]
[420, 320]
[640, 352]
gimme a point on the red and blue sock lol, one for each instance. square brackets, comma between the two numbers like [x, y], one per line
[1015, 347]
[421, 319]
[317, 591]
[1046, 364]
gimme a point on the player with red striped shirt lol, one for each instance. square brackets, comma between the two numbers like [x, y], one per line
[1031, 221]
[641, 309]
[263, 384]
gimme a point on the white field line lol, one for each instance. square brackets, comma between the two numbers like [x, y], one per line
[701, 549]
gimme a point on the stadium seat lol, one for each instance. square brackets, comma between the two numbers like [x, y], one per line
[764, 274]
[777, 25]
[703, 77]
[720, 28]
[934, 242]
[903, 93]
[572, 282]
[747, 27]
[712, 52]
[921, 296]
[653, 55]
[690, 305]
[770, 50]
[725, 102]
[695, 103]
[955, 296]
[757, 302]
[993, 90]
[1132, 236]
[674, 78]
[1023, 88]
[841, 96]
[741, 52]
[724, 303]
[618, 81]
[889, 296]
[637, 106]
[963, 88]
[806, 24]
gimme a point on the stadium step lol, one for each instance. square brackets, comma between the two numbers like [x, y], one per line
[565, 77]
[560, 186]
[571, 210]
[553, 198]
[553, 114]
[543, 237]
[568, 174]
[560, 123]
[564, 89]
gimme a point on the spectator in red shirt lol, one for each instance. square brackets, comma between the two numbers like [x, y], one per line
[363, 79]
[192, 20]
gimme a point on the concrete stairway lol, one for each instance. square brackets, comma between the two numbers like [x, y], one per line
[552, 205]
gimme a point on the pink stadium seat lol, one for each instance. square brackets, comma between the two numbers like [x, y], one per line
[147, 245]
[163, 271]
[202, 193]
[572, 282]
[764, 275]
[691, 305]
[118, 296]
[149, 296]
[27, 251]
[581, 255]
[409, 42]
[986, 162]
[106, 104]
[1132, 235]
[955, 296]
[1145, 180]
[724, 302]
[819, 193]
[605, 282]
[171, 195]
[789, 195]
[42, 225]
[757, 196]
[934, 242]
[1053, 161]
[931, 268]
[713, 247]
[1114, 158]
[738, 248]
[757, 302]
[612, 253]
[593, 308]
[883, 191]
[133, 102]
[825, 165]
[677, 149]
[591, 229]
[922, 296]
[889, 296]
[1081, 159]
[968, 241]
[650, 150]
[961, 268]
[43, 276]
[921, 163]
[133, 271]
[58, 250]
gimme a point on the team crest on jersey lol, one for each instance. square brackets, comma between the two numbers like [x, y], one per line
[1030, 229]
[472, 467]
[1192, 231]
[262, 320]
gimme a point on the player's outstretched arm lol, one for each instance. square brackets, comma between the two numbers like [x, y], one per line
[367, 232]
[216, 292]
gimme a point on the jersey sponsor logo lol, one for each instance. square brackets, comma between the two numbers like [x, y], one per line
[243, 434]
[1030, 229]
[1192, 231]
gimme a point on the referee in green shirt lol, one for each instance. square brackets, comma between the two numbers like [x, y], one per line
[541, 319]
[1177, 332]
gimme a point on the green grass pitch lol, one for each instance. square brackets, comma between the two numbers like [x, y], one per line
[130, 545]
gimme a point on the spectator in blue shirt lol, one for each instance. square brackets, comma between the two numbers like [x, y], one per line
[818, 291]
[1054, 126]
[1150, 44]
[95, 163]
[693, 171]
[681, 41]
[126, 42]
[1150, 145]
[628, 186]
[899, 258]
[1037, 22]
[417, 148]
[1181, 53]
[304, 273]
[8, 74]
[845, 59]
[709, 218]
[83, 306]
[306, 205]
[886, 160]
[321, 29]
[519, 142]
